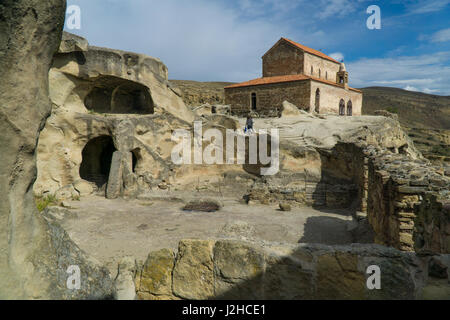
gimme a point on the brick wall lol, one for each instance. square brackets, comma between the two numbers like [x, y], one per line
[408, 203]
[269, 98]
[283, 60]
[325, 66]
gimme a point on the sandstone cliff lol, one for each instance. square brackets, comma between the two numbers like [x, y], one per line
[35, 253]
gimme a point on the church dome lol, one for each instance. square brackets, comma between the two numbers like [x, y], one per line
[342, 67]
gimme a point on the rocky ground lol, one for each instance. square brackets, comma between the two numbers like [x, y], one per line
[110, 230]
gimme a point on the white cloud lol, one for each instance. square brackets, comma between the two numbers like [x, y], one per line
[336, 8]
[427, 6]
[430, 91]
[338, 56]
[428, 73]
[409, 88]
[441, 36]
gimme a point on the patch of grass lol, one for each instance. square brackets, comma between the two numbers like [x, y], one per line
[44, 202]
[392, 110]
[146, 204]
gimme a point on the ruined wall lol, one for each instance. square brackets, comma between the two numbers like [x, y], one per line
[328, 69]
[283, 60]
[330, 97]
[269, 98]
[203, 269]
[408, 203]
[334, 178]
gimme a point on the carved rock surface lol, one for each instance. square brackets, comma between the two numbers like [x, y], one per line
[35, 252]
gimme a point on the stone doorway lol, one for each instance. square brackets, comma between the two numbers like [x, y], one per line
[97, 156]
[253, 101]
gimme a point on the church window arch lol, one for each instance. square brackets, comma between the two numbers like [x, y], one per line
[342, 107]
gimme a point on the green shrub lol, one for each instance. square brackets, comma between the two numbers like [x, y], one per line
[44, 202]
[392, 110]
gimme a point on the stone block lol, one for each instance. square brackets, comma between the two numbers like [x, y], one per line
[338, 277]
[193, 275]
[156, 274]
[115, 183]
[238, 269]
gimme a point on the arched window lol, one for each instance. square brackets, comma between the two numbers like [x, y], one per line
[317, 104]
[320, 73]
[312, 70]
[349, 108]
[326, 75]
[253, 101]
[342, 107]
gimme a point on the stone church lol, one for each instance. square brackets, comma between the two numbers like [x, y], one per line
[303, 76]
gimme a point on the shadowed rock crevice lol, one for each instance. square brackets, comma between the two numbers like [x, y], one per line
[97, 157]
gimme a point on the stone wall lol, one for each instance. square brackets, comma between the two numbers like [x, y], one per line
[331, 95]
[408, 202]
[334, 178]
[231, 269]
[269, 98]
[283, 60]
[328, 69]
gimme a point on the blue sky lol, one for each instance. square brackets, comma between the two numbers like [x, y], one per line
[224, 40]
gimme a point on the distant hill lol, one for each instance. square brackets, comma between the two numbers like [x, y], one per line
[425, 117]
[415, 109]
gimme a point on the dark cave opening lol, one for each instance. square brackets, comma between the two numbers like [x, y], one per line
[136, 157]
[97, 157]
[118, 96]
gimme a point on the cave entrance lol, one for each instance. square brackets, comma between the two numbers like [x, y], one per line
[97, 157]
[118, 96]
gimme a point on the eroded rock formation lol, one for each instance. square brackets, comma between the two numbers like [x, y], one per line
[35, 253]
[94, 93]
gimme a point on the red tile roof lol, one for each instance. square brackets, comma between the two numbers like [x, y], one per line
[283, 79]
[309, 50]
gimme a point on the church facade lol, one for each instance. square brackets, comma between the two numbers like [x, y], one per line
[308, 78]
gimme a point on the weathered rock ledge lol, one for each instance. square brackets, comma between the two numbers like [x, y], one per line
[232, 269]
